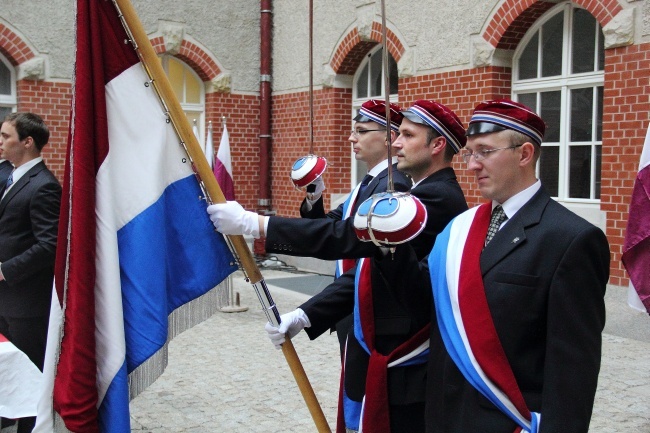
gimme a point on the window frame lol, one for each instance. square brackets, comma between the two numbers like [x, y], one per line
[10, 100]
[189, 107]
[564, 83]
[355, 167]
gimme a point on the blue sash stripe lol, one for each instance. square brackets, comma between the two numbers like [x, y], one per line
[451, 335]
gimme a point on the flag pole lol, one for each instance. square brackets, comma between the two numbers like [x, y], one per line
[214, 194]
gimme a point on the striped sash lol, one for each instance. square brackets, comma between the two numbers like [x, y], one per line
[465, 320]
[344, 265]
[372, 414]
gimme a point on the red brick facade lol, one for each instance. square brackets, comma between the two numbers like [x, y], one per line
[625, 117]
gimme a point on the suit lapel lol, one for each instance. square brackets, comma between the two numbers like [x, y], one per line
[20, 184]
[513, 234]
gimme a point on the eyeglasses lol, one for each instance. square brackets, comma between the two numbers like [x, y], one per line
[480, 155]
[359, 132]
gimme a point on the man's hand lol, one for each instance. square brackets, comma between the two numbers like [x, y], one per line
[290, 324]
[315, 189]
[231, 219]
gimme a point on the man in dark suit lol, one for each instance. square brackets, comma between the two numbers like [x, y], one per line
[518, 285]
[5, 169]
[429, 137]
[29, 214]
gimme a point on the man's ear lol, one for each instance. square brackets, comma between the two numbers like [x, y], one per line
[437, 145]
[527, 153]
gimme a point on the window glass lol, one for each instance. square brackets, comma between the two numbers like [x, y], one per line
[551, 112]
[376, 74]
[579, 171]
[552, 38]
[362, 83]
[549, 164]
[582, 108]
[5, 79]
[528, 60]
[583, 41]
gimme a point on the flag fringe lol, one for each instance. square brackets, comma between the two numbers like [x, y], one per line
[180, 320]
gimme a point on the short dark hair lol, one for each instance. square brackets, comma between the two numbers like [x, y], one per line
[30, 125]
[432, 134]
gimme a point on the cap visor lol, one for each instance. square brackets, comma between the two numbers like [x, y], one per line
[483, 128]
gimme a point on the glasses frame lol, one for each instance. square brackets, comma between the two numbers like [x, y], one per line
[482, 154]
[359, 132]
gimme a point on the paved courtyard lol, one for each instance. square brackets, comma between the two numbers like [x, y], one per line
[225, 376]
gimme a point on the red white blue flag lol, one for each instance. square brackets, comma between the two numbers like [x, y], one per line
[135, 244]
[636, 250]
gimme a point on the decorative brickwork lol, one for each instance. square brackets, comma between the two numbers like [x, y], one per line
[352, 49]
[514, 18]
[13, 47]
[197, 58]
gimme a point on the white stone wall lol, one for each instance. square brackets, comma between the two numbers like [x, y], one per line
[228, 29]
[439, 35]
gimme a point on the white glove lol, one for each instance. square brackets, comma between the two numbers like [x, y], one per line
[231, 219]
[290, 324]
[318, 186]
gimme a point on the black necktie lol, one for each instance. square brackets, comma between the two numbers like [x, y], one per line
[364, 183]
[498, 217]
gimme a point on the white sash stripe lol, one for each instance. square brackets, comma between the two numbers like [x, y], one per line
[457, 239]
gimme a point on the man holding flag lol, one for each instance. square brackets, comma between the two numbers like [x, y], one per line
[134, 245]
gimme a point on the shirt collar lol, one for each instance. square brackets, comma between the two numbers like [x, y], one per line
[517, 201]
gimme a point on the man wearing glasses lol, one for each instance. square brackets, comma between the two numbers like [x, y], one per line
[518, 286]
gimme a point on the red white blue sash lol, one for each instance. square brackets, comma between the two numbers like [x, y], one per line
[464, 316]
[344, 265]
[372, 415]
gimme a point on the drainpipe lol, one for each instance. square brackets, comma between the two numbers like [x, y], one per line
[266, 29]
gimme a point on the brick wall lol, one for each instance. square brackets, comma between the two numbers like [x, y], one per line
[625, 122]
[242, 119]
[291, 141]
[50, 100]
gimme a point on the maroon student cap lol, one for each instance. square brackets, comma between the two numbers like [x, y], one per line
[441, 119]
[501, 114]
[375, 111]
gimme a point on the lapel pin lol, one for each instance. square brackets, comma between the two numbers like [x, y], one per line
[515, 240]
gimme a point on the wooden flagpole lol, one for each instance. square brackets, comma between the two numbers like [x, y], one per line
[214, 195]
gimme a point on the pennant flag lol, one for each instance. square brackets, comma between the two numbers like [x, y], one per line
[223, 166]
[20, 382]
[209, 147]
[636, 249]
[135, 243]
[197, 134]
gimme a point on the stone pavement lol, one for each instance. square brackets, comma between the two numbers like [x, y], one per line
[225, 376]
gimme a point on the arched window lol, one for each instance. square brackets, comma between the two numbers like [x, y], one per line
[558, 71]
[7, 88]
[369, 84]
[189, 90]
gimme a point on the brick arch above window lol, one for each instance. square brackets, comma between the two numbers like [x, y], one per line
[513, 19]
[352, 49]
[197, 58]
[13, 47]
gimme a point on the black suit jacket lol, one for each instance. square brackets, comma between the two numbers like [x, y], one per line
[544, 274]
[5, 169]
[400, 311]
[29, 215]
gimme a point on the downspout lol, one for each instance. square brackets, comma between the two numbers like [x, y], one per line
[266, 33]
